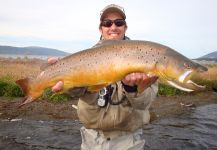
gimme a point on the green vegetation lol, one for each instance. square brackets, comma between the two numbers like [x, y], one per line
[166, 90]
[208, 83]
[49, 95]
[9, 88]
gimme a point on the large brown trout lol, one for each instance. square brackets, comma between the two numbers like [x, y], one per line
[110, 62]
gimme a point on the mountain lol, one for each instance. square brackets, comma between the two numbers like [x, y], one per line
[212, 55]
[210, 58]
[31, 51]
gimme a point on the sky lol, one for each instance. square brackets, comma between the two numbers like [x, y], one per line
[188, 26]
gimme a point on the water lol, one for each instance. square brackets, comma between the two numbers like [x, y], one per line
[194, 129]
[39, 135]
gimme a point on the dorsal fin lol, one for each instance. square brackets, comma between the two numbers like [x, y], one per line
[50, 61]
[105, 42]
[44, 66]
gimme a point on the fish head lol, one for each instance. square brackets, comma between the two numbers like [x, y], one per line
[178, 72]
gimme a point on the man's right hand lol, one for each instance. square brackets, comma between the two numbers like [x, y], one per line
[59, 85]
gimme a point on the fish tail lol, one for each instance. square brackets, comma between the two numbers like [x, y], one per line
[24, 85]
[28, 99]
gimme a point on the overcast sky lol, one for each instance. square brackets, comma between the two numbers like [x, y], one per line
[188, 26]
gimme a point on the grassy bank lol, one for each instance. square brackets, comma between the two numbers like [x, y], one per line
[9, 88]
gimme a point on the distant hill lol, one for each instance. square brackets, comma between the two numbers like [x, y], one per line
[210, 58]
[31, 51]
[210, 55]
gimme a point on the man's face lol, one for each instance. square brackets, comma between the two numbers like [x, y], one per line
[114, 32]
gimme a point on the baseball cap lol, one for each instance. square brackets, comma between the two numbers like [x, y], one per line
[112, 8]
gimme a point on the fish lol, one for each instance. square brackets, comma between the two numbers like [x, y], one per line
[109, 62]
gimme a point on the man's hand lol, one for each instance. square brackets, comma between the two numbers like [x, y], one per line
[142, 80]
[59, 85]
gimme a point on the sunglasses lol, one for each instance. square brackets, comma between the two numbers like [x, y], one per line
[109, 23]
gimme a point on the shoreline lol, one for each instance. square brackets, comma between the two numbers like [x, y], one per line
[163, 106]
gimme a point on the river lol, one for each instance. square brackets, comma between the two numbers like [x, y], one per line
[194, 129]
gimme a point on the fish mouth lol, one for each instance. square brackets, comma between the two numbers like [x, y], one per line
[185, 84]
[186, 75]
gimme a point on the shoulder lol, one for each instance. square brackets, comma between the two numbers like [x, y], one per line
[126, 38]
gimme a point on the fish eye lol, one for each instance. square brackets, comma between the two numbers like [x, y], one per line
[187, 66]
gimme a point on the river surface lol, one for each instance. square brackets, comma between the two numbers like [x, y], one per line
[195, 129]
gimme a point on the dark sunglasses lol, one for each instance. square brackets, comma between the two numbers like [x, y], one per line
[109, 23]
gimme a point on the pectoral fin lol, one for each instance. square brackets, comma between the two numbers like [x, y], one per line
[76, 92]
[140, 89]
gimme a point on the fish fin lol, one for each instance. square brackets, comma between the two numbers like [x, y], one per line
[140, 89]
[96, 88]
[77, 91]
[27, 100]
[99, 43]
[54, 94]
[24, 84]
[44, 66]
[104, 42]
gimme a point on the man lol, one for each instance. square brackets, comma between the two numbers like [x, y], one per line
[113, 117]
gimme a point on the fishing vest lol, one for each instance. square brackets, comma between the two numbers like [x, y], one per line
[127, 112]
